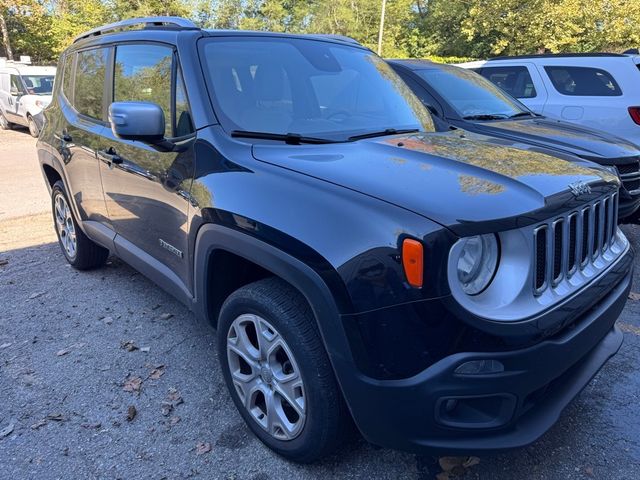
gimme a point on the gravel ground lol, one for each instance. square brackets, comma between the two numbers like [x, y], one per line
[102, 375]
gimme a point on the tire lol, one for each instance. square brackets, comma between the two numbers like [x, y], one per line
[33, 127]
[320, 420]
[81, 252]
[4, 123]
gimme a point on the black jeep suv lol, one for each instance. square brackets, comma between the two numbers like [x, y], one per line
[442, 292]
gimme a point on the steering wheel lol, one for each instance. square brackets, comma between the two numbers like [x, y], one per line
[346, 114]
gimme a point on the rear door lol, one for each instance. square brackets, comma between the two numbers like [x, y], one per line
[77, 130]
[147, 189]
[522, 81]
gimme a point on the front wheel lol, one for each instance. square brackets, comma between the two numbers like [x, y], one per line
[80, 251]
[278, 372]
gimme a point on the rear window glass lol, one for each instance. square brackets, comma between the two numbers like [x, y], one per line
[89, 84]
[583, 81]
[516, 80]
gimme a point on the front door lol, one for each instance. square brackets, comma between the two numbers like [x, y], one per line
[146, 189]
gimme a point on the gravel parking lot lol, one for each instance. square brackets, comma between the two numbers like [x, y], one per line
[102, 375]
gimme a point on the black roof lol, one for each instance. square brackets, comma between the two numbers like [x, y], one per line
[558, 55]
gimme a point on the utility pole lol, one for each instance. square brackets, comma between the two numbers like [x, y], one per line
[5, 37]
[380, 32]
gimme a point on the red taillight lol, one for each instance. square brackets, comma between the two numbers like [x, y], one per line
[635, 114]
[412, 261]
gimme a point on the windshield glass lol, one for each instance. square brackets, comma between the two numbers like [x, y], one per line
[470, 94]
[38, 84]
[308, 87]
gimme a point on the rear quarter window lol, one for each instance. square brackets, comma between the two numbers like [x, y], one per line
[89, 82]
[583, 81]
[515, 80]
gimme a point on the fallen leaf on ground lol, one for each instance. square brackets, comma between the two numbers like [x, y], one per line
[128, 345]
[5, 345]
[635, 296]
[91, 425]
[174, 396]
[166, 316]
[132, 384]
[6, 430]
[157, 372]
[108, 320]
[202, 448]
[36, 295]
[62, 352]
[56, 417]
[167, 408]
[174, 420]
[131, 413]
[456, 465]
[39, 424]
[588, 471]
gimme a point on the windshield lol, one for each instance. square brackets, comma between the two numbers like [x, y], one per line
[38, 84]
[470, 94]
[307, 87]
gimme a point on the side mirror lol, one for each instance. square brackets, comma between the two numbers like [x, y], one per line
[143, 121]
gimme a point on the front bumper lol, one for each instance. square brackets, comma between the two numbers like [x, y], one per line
[440, 411]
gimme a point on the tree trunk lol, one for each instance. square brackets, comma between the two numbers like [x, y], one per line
[5, 37]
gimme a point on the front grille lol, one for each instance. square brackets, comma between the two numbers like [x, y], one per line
[630, 175]
[585, 234]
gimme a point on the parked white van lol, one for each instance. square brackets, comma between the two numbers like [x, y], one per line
[598, 90]
[25, 90]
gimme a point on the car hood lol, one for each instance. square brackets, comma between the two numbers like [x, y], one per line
[454, 178]
[563, 136]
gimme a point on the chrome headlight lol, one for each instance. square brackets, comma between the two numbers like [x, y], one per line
[477, 262]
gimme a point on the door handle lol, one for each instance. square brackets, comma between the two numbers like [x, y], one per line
[110, 156]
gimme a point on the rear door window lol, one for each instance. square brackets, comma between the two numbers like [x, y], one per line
[89, 82]
[583, 81]
[515, 80]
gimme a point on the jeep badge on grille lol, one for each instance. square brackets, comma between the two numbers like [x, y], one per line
[579, 188]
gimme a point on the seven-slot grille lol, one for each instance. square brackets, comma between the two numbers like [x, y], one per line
[630, 175]
[569, 243]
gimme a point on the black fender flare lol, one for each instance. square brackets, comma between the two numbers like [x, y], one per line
[213, 237]
[47, 158]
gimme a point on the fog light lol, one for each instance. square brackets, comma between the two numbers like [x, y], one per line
[480, 367]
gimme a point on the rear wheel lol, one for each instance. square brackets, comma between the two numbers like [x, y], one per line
[81, 252]
[33, 127]
[278, 372]
[4, 123]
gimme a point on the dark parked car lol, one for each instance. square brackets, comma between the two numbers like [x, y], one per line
[443, 293]
[467, 100]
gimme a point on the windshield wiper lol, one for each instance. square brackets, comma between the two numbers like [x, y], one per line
[382, 133]
[289, 138]
[486, 116]
[523, 114]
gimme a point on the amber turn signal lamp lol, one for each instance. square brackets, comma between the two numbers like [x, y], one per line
[413, 262]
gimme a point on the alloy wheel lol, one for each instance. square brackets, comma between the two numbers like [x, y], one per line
[266, 376]
[65, 226]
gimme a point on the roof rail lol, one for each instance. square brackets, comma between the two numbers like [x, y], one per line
[556, 55]
[146, 21]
